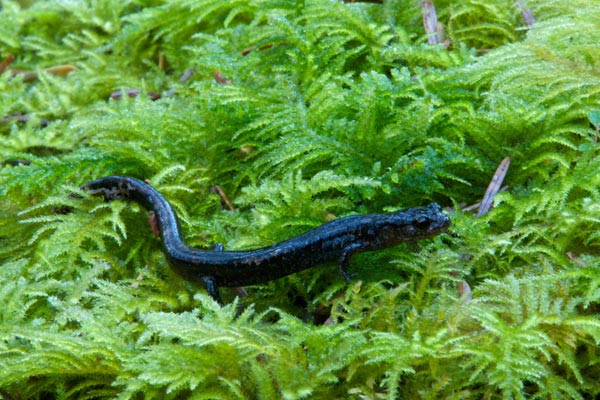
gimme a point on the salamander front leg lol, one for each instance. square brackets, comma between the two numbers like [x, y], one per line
[345, 259]
[218, 247]
[212, 288]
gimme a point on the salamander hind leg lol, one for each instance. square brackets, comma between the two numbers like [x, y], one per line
[212, 288]
[239, 291]
[345, 259]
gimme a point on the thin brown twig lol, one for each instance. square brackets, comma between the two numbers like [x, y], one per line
[154, 223]
[162, 61]
[526, 13]
[239, 291]
[220, 78]
[6, 62]
[15, 162]
[32, 76]
[23, 119]
[264, 47]
[494, 187]
[118, 95]
[576, 259]
[433, 28]
[17, 118]
[217, 189]
[476, 206]
[464, 291]
[462, 287]
[186, 75]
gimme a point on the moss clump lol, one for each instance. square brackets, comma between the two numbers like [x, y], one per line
[300, 111]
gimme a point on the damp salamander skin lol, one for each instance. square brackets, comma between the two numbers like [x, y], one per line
[335, 240]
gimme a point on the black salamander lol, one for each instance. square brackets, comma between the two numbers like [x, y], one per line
[335, 240]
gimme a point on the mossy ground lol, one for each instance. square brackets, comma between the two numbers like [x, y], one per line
[300, 111]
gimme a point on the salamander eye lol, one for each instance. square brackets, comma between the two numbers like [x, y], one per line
[422, 224]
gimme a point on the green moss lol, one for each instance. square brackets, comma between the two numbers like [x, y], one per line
[300, 111]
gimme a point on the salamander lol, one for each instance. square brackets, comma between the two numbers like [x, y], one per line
[335, 240]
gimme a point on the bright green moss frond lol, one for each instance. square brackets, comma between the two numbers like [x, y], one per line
[260, 119]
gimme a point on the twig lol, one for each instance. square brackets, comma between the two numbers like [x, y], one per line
[154, 227]
[476, 206]
[61, 70]
[220, 78]
[162, 61]
[494, 187]
[6, 62]
[15, 162]
[576, 259]
[11, 118]
[186, 75]
[118, 95]
[526, 13]
[217, 189]
[238, 290]
[23, 118]
[433, 29]
[32, 76]
[594, 117]
[464, 291]
[267, 46]
[462, 287]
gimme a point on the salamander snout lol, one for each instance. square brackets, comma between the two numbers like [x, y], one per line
[436, 220]
[411, 225]
[419, 222]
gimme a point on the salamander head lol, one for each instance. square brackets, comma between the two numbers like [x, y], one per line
[412, 225]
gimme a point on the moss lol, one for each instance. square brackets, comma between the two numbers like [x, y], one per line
[300, 111]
